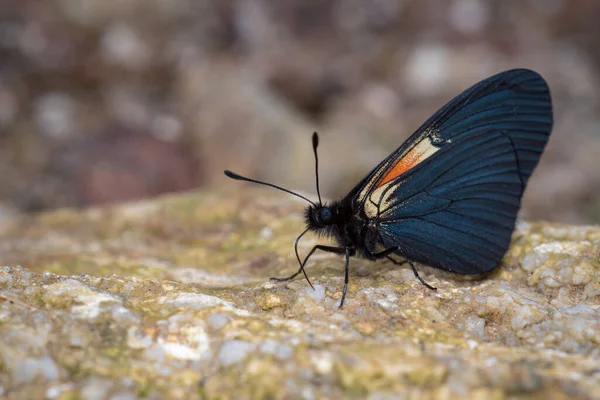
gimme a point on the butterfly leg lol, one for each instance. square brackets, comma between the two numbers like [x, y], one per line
[329, 249]
[386, 253]
[427, 285]
[346, 269]
[396, 261]
[412, 265]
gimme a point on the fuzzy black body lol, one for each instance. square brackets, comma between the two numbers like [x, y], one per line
[349, 228]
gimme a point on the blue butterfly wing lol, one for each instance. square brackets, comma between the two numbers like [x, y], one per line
[450, 194]
[457, 210]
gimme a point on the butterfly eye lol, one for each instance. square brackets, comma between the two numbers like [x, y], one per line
[325, 215]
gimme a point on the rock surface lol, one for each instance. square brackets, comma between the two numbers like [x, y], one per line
[171, 299]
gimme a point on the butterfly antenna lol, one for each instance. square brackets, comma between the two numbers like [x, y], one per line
[237, 177]
[315, 144]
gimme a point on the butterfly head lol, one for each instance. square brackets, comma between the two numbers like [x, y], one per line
[323, 216]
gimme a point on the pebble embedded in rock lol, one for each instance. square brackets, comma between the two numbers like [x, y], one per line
[234, 351]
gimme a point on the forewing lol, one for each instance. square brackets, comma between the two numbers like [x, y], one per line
[516, 103]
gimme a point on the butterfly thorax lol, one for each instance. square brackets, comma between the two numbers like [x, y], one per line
[335, 220]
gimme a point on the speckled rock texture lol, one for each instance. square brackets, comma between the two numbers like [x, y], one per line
[170, 298]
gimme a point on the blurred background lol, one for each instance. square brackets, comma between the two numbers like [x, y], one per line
[110, 100]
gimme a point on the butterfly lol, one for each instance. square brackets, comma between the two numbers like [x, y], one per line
[448, 197]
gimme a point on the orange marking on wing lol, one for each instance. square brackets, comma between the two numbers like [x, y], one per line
[411, 159]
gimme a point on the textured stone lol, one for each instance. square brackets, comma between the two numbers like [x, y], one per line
[171, 298]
